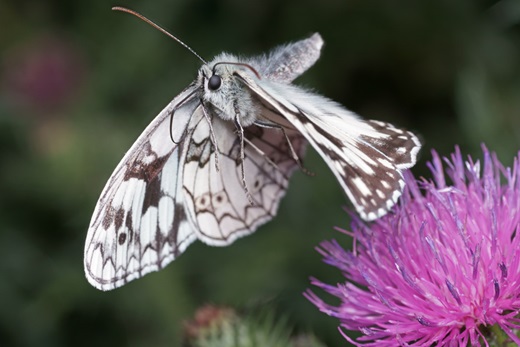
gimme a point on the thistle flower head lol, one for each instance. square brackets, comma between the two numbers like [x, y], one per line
[443, 269]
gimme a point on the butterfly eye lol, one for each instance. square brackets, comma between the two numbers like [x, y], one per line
[214, 82]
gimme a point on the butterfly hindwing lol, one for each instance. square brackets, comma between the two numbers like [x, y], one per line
[215, 193]
[285, 63]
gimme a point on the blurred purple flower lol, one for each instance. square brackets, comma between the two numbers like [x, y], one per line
[440, 271]
[43, 74]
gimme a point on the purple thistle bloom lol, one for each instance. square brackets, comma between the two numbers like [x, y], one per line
[442, 269]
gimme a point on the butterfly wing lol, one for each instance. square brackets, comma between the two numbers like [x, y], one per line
[367, 157]
[216, 200]
[285, 63]
[139, 224]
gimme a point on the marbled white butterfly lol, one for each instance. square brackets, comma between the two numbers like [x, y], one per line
[214, 164]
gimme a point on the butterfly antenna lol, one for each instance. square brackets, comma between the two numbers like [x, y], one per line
[143, 18]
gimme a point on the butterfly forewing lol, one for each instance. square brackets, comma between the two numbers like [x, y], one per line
[139, 224]
[400, 145]
[366, 156]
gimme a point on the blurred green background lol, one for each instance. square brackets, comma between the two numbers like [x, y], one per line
[79, 82]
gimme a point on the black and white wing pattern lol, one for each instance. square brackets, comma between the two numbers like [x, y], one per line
[163, 196]
[366, 156]
[215, 195]
[139, 224]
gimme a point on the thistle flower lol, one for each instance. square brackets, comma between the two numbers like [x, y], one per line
[443, 270]
[215, 326]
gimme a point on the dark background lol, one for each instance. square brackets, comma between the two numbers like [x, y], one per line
[79, 82]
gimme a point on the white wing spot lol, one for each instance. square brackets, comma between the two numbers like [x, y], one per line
[166, 211]
[149, 223]
[361, 185]
[386, 163]
[371, 216]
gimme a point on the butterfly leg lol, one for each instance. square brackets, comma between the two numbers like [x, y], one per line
[294, 155]
[240, 131]
[212, 135]
[262, 153]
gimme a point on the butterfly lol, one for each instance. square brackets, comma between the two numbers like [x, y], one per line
[216, 161]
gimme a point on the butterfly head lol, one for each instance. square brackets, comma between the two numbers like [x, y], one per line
[223, 93]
